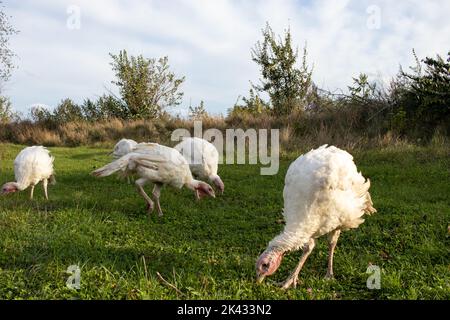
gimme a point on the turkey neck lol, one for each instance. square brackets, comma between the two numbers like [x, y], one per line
[192, 184]
[289, 240]
[21, 186]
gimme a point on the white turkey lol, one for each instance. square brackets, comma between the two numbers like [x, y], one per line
[123, 147]
[159, 164]
[323, 194]
[31, 166]
[203, 159]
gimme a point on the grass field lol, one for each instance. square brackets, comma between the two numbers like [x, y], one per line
[208, 249]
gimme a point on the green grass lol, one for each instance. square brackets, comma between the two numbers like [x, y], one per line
[208, 249]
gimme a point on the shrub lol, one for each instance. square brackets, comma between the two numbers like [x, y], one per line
[147, 86]
[6, 113]
[421, 101]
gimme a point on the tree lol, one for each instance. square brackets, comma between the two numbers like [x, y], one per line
[197, 112]
[6, 64]
[420, 101]
[91, 111]
[67, 111]
[253, 104]
[430, 94]
[362, 89]
[6, 54]
[106, 106]
[40, 114]
[147, 86]
[111, 107]
[6, 113]
[286, 84]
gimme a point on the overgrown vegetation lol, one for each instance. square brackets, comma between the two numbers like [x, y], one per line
[6, 65]
[6, 113]
[286, 85]
[414, 108]
[147, 86]
[421, 101]
[6, 54]
[198, 112]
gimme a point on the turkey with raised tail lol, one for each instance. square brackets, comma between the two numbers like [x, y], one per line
[31, 166]
[159, 164]
[323, 194]
[203, 159]
[121, 148]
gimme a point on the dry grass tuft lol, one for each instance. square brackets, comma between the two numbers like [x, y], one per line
[299, 131]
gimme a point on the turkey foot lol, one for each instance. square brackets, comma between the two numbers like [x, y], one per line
[329, 276]
[291, 281]
[150, 207]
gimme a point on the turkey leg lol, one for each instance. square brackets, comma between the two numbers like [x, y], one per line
[140, 186]
[293, 278]
[333, 237]
[32, 192]
[156, 193]
[45, 185]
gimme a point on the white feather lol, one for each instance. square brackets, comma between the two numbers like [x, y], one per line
[123, 147]
[153, 162]
[161, 165]
[31, 166]
[323, 192]
[202, 156]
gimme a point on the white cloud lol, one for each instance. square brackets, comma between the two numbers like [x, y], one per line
[209, 42]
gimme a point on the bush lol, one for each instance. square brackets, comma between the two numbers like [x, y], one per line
[286, 85]
[147, 86]
[6, 113]
[421, 102]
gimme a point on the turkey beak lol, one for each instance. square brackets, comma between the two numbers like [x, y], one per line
[5, 191]
[199, 194]
[260, 278]
[213, 194]
[219, 184]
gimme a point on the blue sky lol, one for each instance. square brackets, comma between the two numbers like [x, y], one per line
[209, 42]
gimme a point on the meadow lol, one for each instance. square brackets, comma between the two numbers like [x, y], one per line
[208, 249]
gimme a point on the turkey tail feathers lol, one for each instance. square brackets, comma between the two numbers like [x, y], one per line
[119, 164]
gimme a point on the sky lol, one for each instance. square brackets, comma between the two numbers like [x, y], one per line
[63, 46]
